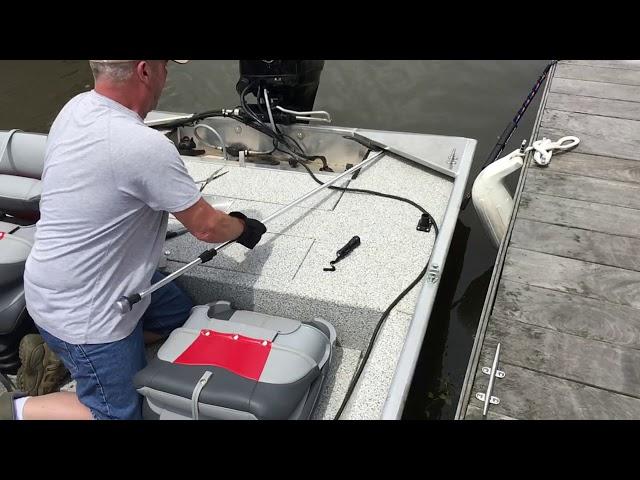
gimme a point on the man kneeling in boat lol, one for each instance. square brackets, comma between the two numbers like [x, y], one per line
[108, 186]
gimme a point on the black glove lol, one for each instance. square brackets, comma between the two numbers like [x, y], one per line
[253, 230]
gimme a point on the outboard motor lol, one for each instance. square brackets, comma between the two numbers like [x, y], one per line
[292, 84]
[21, 164]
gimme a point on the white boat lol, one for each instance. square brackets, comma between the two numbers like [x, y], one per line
[284, 275]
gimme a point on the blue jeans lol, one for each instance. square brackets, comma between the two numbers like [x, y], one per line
[104, 372]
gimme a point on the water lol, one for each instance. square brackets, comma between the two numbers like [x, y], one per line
[474, 99]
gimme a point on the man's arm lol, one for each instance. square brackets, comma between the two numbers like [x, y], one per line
[208, 224]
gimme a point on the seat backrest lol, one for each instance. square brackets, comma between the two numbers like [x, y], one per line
[21, 165]
[23, 153]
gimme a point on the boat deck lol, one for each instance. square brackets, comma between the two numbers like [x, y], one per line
[284, 274]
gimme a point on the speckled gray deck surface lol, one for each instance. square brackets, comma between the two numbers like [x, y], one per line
[284, 274]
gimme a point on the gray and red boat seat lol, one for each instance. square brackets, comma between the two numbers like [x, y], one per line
[237, 364]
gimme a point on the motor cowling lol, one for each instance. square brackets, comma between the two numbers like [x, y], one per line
[292, 84]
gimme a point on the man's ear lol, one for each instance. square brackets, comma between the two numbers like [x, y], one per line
[143, 71]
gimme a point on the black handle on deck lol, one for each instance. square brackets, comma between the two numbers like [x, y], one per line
[349, 247]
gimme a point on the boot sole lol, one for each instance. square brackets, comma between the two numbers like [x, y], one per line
[31, 371]
[42, 372]
[54, 372]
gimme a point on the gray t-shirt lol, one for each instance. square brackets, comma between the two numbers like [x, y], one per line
[107, 185]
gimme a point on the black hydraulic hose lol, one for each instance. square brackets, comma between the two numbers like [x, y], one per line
[243, 102]
[386, 313]
[510, 128]
[374, 335]
[252, 121]
[192, 119]
[373, 192]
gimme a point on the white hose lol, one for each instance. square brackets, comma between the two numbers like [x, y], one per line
[266, 98]
[304, 115]
[212, 130]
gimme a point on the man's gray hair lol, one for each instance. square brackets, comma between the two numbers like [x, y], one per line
[115, 70]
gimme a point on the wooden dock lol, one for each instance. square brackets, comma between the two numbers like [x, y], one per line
[564, 299]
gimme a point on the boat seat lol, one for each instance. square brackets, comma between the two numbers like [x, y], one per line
[19, 200]
[14, 319]
[237, 364]
[21, 162]
[16, 241]
[14, 250]
[19, 195]
[21, 165]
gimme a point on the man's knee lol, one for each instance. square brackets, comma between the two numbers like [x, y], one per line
[104, 376]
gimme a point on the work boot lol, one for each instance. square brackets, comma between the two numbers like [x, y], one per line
[41, 371]
[7, 409]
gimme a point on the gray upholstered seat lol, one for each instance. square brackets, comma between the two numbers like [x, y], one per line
[13, 255]
[19, 194]
[21, 165]
[240, 364]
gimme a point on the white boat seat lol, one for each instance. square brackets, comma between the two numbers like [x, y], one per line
[14, 251]
[19, 195]
[21, 165]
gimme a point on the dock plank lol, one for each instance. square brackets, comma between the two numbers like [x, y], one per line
[593, 144]
[590, 318]
[529, 395]
[594, 363]
[598, 74]
[595, 247]
[598, 135]
[597, 217]
[609, 192]
[475, 413]
[623, 64]
[586, 88]
[610, 284]
[596, 166]
[594, 106]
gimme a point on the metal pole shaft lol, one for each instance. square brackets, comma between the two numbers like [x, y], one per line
[124, 304]
[325, 185]
[174, 275]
